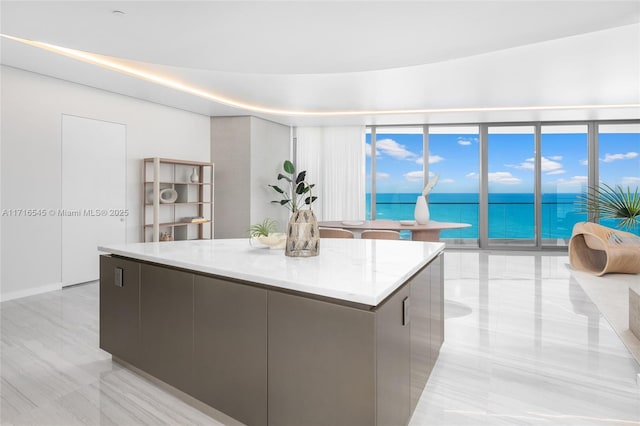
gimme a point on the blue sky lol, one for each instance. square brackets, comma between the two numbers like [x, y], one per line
[455, 158]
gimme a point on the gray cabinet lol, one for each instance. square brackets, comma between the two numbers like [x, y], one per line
[120, 308]
[166, 312]
[230, 348]
[321, 363]
[393, 359]
[421, 363]
[437, 306]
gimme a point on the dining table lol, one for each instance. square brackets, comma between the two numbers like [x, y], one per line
[429, 231]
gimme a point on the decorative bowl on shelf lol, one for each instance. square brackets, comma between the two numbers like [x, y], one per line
[275, 240]
[407, 222]
[168, 196]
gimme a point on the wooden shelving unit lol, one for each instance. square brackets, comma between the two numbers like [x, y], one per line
[190, 216]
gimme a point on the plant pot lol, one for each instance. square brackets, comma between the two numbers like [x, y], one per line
[303, 236]
[421, 212]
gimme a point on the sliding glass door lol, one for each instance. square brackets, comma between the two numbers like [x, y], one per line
[511, 186]
[619, 160]
[454, 157]
[564, 170]
[396, 156]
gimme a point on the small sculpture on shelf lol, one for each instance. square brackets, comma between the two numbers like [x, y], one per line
[166, 236]
[194, 175]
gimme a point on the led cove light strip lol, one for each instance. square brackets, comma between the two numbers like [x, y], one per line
[173, 84]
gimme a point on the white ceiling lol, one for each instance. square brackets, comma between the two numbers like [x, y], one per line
[349, 56]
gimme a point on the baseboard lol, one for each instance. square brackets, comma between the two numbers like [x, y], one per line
[4, 297]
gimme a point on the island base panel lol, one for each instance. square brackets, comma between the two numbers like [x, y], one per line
[321, 363]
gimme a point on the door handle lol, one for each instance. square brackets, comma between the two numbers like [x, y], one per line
[118, 282]
[406, 312]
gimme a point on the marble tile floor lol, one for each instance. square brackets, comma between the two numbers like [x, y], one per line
[524, 345]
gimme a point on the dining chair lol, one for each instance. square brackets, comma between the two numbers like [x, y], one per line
[380, 235]
[335, 233]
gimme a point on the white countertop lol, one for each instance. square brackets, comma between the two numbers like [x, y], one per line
[354, 270]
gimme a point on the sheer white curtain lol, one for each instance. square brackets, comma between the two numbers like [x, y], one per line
[334, 159]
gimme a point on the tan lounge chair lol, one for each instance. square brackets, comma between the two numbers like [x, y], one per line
[597, 249]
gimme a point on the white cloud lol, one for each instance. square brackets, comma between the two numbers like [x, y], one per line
[394, 149]
[446, 181]
[630, 180]
[498, 177]
[416, 176]
[548, 165]
[555, 157]
[584, 162]
[432, 159]
[435, 159]
[466, 141]
[504, 177]
[556, 172]
[367, 150]
[610, 158]
[382, 175]
[575, 180]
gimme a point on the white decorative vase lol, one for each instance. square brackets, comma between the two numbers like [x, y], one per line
[194, 175]
[421, 212]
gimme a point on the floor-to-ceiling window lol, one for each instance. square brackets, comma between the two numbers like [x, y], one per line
[511, 185]
[564, 177]
[454, 157]
[395, 155]
[516, 184]
[619, 159]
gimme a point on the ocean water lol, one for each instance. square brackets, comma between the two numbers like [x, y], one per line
[511, 216]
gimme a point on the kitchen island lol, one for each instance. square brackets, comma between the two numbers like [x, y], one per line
[345, 338]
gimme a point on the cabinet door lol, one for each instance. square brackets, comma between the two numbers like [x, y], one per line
[230, 349]
[420, 328]
[437, 306]
[321, 363]
[393, 361]
[166, 308]
[120, 308]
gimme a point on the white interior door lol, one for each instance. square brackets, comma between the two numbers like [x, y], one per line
[93, 194]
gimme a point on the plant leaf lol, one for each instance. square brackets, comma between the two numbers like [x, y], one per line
[281, 176]
[289, 167]
[301, 176]
[310, 200]
[278, 190]
[300, 189]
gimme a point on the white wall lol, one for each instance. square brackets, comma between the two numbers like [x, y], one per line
[31, 116]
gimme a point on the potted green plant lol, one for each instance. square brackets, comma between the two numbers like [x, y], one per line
[296, 194]
[265, 233]
[610, 202]
[303, 236]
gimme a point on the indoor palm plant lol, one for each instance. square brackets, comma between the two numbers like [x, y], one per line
[303, 236]
[609, 202]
